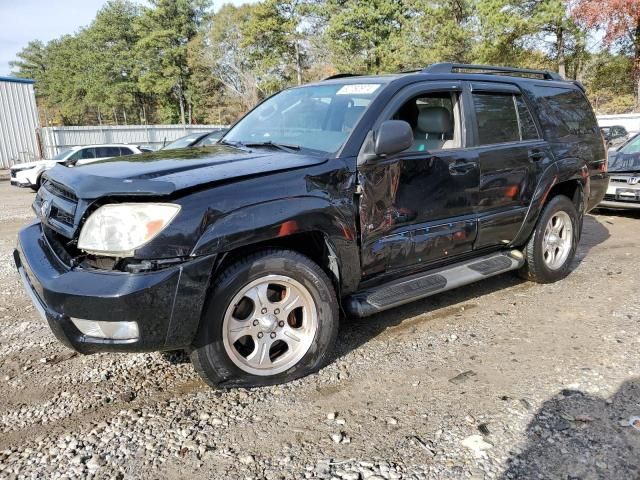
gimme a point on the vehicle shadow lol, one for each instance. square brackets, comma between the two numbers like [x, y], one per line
[575, 435]
[633, 214]
[594, 232]
[358, 331]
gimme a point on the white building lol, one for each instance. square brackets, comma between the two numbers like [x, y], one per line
[18, 122]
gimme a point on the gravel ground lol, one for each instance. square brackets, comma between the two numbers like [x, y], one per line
[502, 379]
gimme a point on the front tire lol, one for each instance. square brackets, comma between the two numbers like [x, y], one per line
[270, 318]
[553, 244]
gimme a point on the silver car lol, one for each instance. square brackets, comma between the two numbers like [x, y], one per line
[624, 177]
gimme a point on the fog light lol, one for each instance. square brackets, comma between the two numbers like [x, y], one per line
[111, 330]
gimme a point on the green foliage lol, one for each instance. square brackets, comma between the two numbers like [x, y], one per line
[177, 61]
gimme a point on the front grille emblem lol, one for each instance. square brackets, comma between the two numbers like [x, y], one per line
[45, 208]
[633, 180]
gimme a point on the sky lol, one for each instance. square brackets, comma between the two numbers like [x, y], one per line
[24, 20]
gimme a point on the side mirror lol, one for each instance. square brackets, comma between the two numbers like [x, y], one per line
[393, 136]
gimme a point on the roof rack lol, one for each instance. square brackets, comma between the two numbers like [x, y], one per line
[341, 75]
[491, 70]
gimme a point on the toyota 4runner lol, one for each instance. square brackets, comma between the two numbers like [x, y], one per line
[353, 194]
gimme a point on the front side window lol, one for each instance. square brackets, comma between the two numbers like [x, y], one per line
[315, 117]
[432, 117]
[87, 153]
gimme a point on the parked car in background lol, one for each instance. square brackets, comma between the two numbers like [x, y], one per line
[29, 174]
[366, 192]
[615, 136]
[201, 139]
[624, 176]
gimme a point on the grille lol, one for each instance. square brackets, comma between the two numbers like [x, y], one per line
[56, 207]
[59, 191]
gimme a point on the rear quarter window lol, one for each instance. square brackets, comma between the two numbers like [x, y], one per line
[564, 112]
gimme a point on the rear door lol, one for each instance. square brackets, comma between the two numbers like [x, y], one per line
[511, 155]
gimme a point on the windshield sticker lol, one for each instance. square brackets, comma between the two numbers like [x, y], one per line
[358, 89]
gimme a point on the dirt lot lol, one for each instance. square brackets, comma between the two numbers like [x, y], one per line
[502, 379]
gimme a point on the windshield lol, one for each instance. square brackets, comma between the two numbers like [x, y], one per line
[62, 155]
[627, 159]
[316, 117]
[182, 142]
[211, 139]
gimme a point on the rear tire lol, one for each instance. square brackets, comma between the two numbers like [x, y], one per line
[270, 318]
[552, 246]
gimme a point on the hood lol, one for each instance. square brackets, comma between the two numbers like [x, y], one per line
[37, 163]
[620, 162]
[167, 171]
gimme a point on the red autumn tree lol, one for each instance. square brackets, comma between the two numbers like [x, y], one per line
[620, 20]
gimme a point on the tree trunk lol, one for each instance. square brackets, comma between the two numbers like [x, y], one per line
[124, 114]
[298, 63]
[560, 47]
[181, 102]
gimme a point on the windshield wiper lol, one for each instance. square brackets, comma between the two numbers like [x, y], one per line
[287, 147]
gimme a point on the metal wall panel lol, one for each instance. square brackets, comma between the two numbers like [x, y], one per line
[18, 122]
[56, 139]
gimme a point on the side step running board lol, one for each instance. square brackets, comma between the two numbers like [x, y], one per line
[405, 290]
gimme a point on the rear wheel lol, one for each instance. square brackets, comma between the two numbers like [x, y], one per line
[553, 244]
[271, 318]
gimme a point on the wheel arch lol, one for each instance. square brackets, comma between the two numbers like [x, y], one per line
[569, 178]
[308, 225]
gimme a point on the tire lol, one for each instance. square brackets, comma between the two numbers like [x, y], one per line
[549, 257]
[242, 320]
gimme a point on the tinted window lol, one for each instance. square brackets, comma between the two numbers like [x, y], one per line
[528, 130]
[496, 117]
[86, 153]
[102, 152]
[564, 112]
[125, 151]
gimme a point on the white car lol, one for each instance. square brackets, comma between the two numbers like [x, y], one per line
[28, 174]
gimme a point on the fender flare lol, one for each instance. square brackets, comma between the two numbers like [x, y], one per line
[277, 219]
[571, 169]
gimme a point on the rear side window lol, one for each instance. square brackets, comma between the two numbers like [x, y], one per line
[528, 130]
[503, 118]
[565, 112]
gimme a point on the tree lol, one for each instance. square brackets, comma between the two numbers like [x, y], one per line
[273, 38]
[362, 36]
[620, 19]
[165, 29]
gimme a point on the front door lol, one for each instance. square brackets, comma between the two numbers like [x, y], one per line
[417, 207]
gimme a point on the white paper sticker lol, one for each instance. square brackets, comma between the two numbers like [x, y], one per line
[358, 89]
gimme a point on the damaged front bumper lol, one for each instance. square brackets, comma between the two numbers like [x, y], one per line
[165, 304]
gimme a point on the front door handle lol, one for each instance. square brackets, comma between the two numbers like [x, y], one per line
[537, 154]
[461, 167]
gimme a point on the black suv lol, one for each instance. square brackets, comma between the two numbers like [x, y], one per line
[357, 193]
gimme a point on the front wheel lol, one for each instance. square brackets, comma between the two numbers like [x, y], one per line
[270, 318]
[553, 244]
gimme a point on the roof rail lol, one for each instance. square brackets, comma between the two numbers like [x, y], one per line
[341, 75]
[491, 69]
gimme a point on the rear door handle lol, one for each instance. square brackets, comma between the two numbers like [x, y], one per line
[537, 154]
[461, 167]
